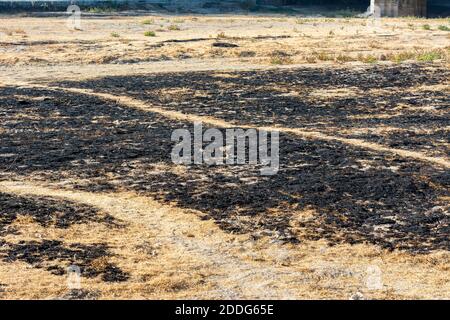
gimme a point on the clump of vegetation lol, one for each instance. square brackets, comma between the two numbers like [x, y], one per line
[174, 27]
[103, 9]
[150, 33]
[246, 54]
[426, 27]
[10, 32]
[402, 56]
[19, 31]
[323, 56]
[310, 59]
[115, 35]
[222, 35]
[148, 21]
[444, 28]
[422, 56]
[342, 58]
[429, 56]
[375, 45]
[278, 60]
[279, 57]
[367, 58]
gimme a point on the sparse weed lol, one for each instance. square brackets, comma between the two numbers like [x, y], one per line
[367, 58]
[246, 54]
[323, 56]
[174, 27]
[148, 21]
[279, 57]
[402, 56]
[150, 33]
[429, 56]
[375, 45]
[19, 31]
[115, 35]
[102, 9]
[444, 28]
[222, 35]
[422, 56]
[310, 59]
[10, 32]
[342, 58]
[279, 60]
[426, 27]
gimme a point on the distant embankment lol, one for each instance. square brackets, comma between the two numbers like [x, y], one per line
[61, 5]
[436, 8]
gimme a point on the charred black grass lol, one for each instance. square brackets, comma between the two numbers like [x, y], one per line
[359, 196]
[48, 212]
[51, 255]
[55, 257]
[282, 97]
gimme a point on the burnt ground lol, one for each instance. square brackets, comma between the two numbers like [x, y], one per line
[283, 97]
[48, 212]
[359, 196]
[52, 255]
[55, 257]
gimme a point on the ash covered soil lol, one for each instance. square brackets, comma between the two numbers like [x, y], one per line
[399, 101]
[358, 196]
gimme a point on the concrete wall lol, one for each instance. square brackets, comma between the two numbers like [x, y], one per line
[400, 8]
[58, 5]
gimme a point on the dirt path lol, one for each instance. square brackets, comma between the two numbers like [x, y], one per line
[142, 105]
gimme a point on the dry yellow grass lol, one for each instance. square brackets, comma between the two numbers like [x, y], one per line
[318, 40]
[170, 253]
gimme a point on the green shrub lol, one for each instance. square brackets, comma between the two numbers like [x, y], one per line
[150, 34]
[148, 21]
[429, 56]
[174, 27]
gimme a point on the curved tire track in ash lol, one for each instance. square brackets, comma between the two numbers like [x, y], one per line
[316, 135]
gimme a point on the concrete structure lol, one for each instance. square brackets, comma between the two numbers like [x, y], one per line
[384, 8]
[399, 8]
